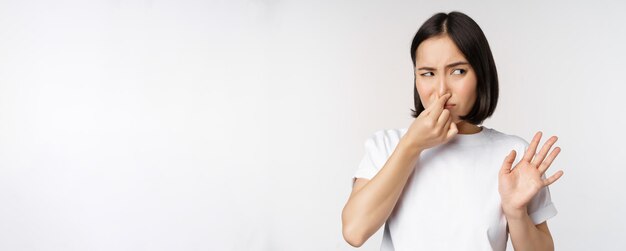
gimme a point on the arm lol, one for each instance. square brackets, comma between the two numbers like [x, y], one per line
[518, 186]
[370, 204]
[525, 235]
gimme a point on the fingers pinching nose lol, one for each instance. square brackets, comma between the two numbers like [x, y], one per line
[445, 98]
[440, 98]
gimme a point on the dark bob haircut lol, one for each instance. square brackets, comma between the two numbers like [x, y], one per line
[471, 41]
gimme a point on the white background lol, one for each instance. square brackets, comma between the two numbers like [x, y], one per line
[237, 125]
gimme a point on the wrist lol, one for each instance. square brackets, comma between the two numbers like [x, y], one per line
[410, 148]
[514, 213]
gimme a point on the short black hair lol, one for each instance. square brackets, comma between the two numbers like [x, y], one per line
[471, 41]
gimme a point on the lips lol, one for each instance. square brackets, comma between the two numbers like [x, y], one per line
[449, 105]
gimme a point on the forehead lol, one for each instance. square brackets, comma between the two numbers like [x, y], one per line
[438, 51]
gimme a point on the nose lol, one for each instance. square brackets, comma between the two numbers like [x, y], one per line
[442, 88]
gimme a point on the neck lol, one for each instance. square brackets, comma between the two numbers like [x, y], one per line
[467, 128]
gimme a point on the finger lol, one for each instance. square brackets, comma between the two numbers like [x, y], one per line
[544, 165]
[428, 109]
[446, 129]
[453, 129]
[544, 150]
[553, 178]
[443, 118]
[530, 151]
[508, 162]
[437, 106]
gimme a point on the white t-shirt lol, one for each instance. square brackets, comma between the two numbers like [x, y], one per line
[451, 200]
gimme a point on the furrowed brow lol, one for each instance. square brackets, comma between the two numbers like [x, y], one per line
[428, 68]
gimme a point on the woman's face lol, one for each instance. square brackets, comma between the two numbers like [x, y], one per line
[441, 68]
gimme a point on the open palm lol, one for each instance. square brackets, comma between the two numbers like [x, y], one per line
[519, 185]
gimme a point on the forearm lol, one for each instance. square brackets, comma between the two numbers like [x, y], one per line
[525, 235]
[368, 209]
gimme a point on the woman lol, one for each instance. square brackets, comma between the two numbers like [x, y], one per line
[442, 183]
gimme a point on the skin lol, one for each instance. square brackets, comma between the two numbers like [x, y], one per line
[441, 69]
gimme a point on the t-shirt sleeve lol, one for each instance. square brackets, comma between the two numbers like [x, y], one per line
[374, 158]
[540, 208]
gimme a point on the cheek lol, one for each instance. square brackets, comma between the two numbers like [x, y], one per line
[424, 93]
[468, 91]
[469, 94]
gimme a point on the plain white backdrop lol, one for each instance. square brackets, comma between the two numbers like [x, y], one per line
[237, 125]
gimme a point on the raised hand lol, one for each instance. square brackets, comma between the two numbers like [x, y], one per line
[519, 185]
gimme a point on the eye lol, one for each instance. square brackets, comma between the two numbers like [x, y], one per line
[424, 74]
[463, 71]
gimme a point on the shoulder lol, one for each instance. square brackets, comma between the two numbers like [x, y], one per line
[508, 139]
[386, 139]
[389, 133]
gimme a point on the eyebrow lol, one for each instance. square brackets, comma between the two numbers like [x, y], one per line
[447, 66]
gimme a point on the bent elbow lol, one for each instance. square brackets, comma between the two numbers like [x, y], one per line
[352, 238]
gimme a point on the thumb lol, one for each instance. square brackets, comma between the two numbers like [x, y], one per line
[508, 162]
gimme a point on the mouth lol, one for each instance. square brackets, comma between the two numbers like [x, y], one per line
[447, 106]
